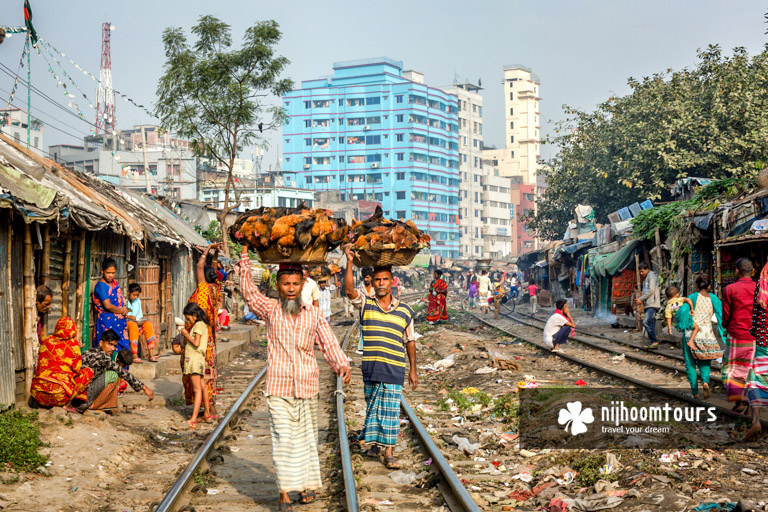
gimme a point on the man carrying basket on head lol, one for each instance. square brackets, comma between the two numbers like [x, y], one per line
[388, 333]
[293, 377]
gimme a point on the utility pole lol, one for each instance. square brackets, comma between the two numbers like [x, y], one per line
[146, 165]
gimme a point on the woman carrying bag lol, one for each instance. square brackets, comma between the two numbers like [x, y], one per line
[700, 346]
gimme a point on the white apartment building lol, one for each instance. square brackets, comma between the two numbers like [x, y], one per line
[470, 168]
[520, 155]
[496, 230]
[13, 124]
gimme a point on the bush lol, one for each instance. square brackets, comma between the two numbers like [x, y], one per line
[20, 441]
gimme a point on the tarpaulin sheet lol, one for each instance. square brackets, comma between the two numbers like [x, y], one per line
[612, 263]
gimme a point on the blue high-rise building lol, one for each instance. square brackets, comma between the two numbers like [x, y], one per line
[375, 132]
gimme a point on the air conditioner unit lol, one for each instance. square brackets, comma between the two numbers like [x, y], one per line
[366, 127]
[374, 166]
[307, 166]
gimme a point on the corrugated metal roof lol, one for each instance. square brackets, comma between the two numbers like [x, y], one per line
[42, 190]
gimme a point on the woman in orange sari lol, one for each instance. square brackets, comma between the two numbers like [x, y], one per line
[59, 376]
[438, 307]
[207, 297]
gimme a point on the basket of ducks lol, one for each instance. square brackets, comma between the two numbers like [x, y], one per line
[379, 242]
[290, 235]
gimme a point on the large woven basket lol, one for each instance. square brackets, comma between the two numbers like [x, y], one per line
[387, 256]
[310, 255]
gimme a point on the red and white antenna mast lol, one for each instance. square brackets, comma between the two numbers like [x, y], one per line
[105, 98]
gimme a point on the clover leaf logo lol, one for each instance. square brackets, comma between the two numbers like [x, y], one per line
[575, 417]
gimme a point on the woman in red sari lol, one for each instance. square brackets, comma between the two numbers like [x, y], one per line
[60, 375]
[438, 307]
[207, 297]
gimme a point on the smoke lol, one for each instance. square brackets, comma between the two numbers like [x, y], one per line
[606, 316]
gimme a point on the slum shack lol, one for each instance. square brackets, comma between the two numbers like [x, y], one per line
[56, 226]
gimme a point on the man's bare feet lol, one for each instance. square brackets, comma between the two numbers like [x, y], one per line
[753, 433]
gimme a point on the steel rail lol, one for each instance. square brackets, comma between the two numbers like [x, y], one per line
[346, 456]
[459, 491]
[620, 376]
[172, 500]
[630, 357]
[670, 355]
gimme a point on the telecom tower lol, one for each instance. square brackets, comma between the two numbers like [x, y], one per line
[105, 98]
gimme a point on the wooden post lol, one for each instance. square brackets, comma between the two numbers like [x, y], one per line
[639, 310]
[65, 277]
[718, 279]
[81, 278]
[657, 249]
[31, 343]
[46, 263]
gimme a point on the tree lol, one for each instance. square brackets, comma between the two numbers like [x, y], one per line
[710, 121]
[218, 96]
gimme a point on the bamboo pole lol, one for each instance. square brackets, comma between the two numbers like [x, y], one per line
[81, 277]
[639, 310]
[46, 263]
[65, 278]
[657, 249]
[31, 343]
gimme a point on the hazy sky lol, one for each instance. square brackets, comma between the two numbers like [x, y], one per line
[583, 51]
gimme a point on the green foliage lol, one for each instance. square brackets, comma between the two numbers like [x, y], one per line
[20, 441]
[213, 234]
[710, 121]
[645, 223]
[218, 96]
[506, 407]
[589, 469]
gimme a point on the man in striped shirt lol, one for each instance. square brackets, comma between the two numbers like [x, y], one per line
[293, 376]
[387, 329]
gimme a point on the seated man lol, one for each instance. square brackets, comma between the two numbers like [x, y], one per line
[100, 393]
[138, 325]
[559, 326]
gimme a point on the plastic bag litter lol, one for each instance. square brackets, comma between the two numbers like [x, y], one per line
[406, 477]
[485, 370]
[465, 446]
[444, 364]
[618, 359]
[525, 476]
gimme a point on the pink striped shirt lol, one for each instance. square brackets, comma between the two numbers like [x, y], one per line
[292, 370]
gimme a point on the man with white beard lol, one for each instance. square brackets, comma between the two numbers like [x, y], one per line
[293, 376]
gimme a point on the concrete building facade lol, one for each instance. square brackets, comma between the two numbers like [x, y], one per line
[13, 123]
[523, 200]
[521, 151]
[376, 132]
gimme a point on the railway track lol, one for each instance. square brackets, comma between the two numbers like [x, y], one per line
[588, 355]
[236, 457]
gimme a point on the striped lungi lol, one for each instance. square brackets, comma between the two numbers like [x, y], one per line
[382, 413]
[757, 381]
[737, 362]
[293, 423]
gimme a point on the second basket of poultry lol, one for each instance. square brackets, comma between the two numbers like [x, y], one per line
[290, 235]
[379, 242]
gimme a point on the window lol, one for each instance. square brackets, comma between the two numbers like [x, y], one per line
[373, 120]
[511, 111]
[511, 138]
[341, 140]
[321, 160]
[475, 163]
[307, 123]
[308, 179]
[465, 141]
[320, 104]
[511, 154]
[400, 194]
[307, 142]
[399, 118]
[399, 137]
[480, 111]
[477, 213]
[474, 108]
[287, 141]
[356, 121]
[400, 214]
[400, 176]
[511, 95]
[399, 157]
[307, 104]
[356, 159]
[356, 102]
[373, 139]
[373, 100]
[399, 98]
[474, 142]
[511, 124]
[307, 160]
[355, 140]
[341, 158]
[475, 178]
[464, 158]
[373, 158]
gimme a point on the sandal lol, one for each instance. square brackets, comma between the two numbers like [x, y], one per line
[392, 463]
[307, 497]
[212, 417]
[285, 507]
[137, 360]
[192, 424]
